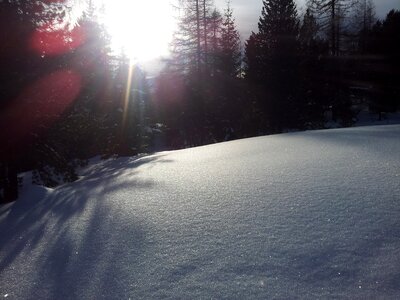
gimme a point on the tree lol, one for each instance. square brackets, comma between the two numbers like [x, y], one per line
[385, 40]
[214, 27]
[190, 45]
[363, 19]
[17, 70]
[312, 80]
[51, 86]
[193, 58]
[331, 17]
[230, 45]
[391, 33]
[184, 47]
[271, 55]
[383, 37]
[308, 31]
[253, 59]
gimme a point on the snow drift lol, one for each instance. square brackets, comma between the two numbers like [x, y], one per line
[299, 215]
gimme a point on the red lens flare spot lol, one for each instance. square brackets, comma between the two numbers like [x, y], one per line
[39, 105]
[49, 41]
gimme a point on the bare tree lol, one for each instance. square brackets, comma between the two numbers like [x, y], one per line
[331, 16]
[191, 43]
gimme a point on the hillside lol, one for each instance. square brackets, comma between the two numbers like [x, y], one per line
[300, 215]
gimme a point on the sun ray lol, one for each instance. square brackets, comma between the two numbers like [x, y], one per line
[127, 97]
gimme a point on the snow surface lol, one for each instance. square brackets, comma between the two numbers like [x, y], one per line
[299, 215]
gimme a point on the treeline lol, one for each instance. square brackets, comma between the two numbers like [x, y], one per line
[298, 71]
[66, 98]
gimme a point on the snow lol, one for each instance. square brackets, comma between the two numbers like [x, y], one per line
[299, 215]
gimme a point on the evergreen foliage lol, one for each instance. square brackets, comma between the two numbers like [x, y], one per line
[308, 34]
[231, 56]
[273, 62]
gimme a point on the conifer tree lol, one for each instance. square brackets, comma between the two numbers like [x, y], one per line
[214, 27]
[230, 44]
[271, 55]
[277, 33]
[253, 58]
[308, 31]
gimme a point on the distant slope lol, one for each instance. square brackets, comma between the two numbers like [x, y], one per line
[301, 215]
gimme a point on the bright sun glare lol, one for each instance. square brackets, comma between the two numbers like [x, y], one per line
[142, 29]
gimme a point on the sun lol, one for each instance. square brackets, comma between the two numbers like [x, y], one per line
[141, 29]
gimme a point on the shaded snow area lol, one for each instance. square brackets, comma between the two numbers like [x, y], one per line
[302, 215]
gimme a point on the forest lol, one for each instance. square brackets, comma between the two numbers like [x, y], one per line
[65, 97]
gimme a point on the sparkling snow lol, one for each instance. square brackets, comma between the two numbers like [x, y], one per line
[300, 215]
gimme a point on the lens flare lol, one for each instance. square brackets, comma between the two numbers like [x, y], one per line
[38, 106]
[49, 41]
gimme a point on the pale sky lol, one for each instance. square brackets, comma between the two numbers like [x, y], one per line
[247, 12]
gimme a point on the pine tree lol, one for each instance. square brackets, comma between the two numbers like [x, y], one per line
[214, 28]
[312, 81]
[253, 59]
[230, 45]
[308, 31]
[391, 34]
[278, 29]
[385, 40]
[271, 57]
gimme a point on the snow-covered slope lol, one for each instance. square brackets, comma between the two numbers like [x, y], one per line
[301, 215]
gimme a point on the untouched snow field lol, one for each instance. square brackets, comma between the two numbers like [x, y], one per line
[301, 215]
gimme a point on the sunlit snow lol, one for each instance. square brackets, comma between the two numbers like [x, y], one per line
[310, 215]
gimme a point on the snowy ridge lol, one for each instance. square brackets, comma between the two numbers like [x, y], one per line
[300, 215]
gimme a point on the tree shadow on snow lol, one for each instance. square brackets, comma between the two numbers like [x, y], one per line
[78, 240]
[350, 265]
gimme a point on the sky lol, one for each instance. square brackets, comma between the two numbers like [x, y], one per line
[247, 12]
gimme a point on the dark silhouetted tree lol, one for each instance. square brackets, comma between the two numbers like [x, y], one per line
[214, 27]
[271, 55]
[190, 48]
[308, 31]
[363, 19]
[331, 15]
[230, 45]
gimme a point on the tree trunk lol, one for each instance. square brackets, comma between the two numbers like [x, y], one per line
[205, 32]
[9, 176]
[198, 36]
[333, 27]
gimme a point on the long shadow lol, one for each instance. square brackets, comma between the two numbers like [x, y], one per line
[337, 266]
[71, 233]
[342, 265]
